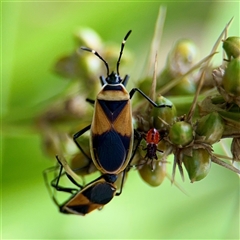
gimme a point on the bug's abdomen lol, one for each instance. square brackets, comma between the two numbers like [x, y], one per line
[111, 150]
[111, 135]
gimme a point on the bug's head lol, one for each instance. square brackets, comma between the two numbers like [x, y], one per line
[111, 178]
[113, 78]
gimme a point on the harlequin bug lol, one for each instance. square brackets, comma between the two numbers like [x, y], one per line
[83, 200]
[111, 130]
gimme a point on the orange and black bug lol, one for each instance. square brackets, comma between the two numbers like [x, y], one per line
[152, 139]
[83, 200]
[111, 131]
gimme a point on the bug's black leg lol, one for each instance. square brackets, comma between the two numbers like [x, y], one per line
[55, 185]
[103, 80]
[138, 137]
[63, 165]
[55, 181]
[90, 101]
[77, 135]
[122, 182]
[125, 80]
[149, 99]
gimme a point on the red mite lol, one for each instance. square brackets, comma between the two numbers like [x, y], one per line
[152, 138]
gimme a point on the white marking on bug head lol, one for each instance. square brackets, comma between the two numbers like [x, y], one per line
[116, 84]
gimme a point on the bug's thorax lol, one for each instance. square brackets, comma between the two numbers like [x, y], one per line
[113, 89]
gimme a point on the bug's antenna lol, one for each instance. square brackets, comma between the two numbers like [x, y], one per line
[121, 51]
[96, 53]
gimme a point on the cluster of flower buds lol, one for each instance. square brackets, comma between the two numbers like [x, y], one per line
[199, 116]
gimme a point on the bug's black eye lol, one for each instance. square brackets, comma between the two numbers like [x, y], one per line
[113, 78]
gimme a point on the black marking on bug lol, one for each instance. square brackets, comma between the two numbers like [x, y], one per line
[112, 109]
[112, 151]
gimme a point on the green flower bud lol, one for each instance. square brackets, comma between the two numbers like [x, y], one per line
[153, 177]
[186, 86]
[210, 127]
[181, 133]
[198, 165]
[88, 37]
[180, 60]
[77, 64]
[231, 78]
[167, 114]
[182, 57]
[232, 47]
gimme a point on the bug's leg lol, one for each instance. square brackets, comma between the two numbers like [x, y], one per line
[138, 137]
[54, 183]
[125, 80]
[56, 180]
[149, 99]
[68, 172]
[56, 186]
[159, 150]
[90, 101]
[77, 135]
[103, 80]
[122, 182]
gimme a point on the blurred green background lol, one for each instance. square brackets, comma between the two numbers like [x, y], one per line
[34, 35]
